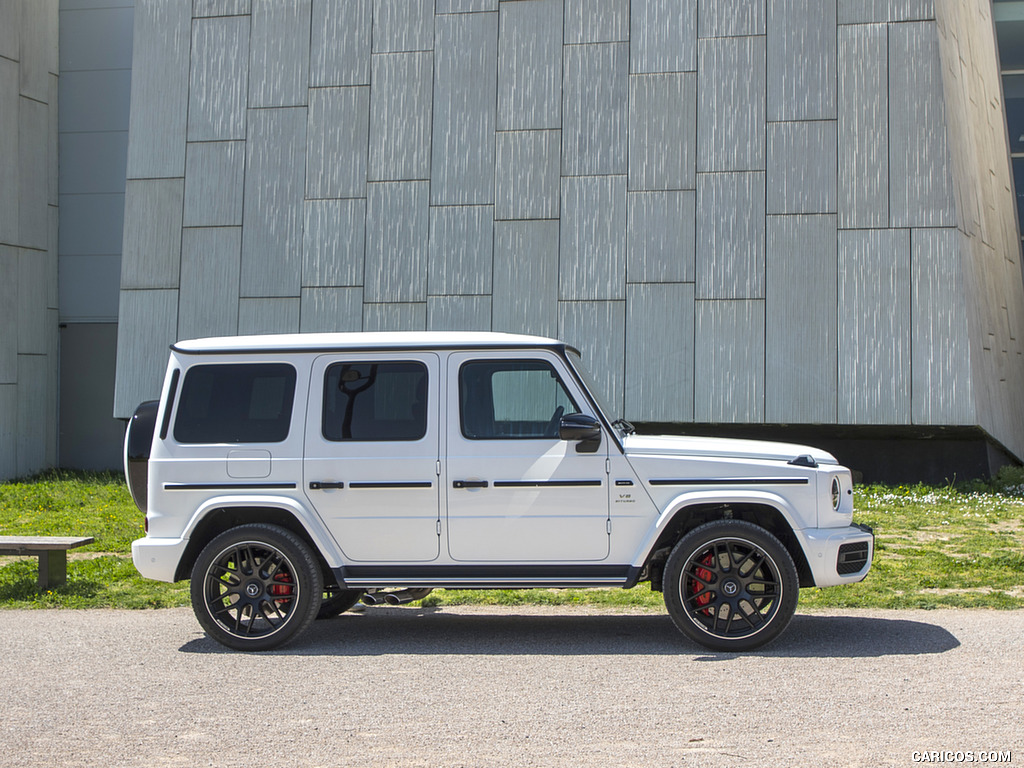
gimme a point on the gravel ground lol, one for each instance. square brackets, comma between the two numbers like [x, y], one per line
[507, 687]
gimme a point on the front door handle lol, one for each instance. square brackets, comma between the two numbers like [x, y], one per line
[318, 486]
[469, 484]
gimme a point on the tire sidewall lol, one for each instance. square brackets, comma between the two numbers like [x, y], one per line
[739, 530]
[304, 569]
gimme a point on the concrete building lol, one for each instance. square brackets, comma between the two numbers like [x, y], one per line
[785, 218]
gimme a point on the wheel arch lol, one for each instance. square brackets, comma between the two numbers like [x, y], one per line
[688, 514]
[219, 516]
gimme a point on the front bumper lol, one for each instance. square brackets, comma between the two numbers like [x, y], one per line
[834, 554]
[158, 558]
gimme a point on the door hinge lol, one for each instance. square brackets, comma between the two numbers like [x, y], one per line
[437, 468]
[608, 526]
[438, 527]
[607, 466]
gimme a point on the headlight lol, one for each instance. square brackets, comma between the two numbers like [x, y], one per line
[837, 494]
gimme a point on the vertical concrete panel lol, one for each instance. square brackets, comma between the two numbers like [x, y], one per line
[598, 329]
[9, 316]
[595, 102]
[868, 11]
[397, 242]
[333, 246]
[274, 182]
[596, 21]
[920, 187]
[9, 430]
[801, 59]
[142, 354]
[526, 184]
[36, 47]
[10, 31]
[802, 167]
[731, 104]
[10, 166]
[465, 94]
[525, 292]
[403, 25]
[400, 116]
[214, 174]
[459, 313]
[661, 237]
[863, 126]
[330, 310]
[160, 89]
[731, 18]
[33, 400]
[53, 131]
[592, 242]
[208, 298]
[942, 383]
[662, 131]
[663, 36]
[337, 138]
[89, 288]
[800, 326]
[151, 252]
[730, 251]
[395, 317]
[340, 43]
[874, 326]
[461, 249]
[465, 6]
[219, 79]
[94, 101]
[729, 362]
[279, 53]
[94, 163]
[31, 277]
[33, 157]
[659, 352]
[530, 65]
[202, 8]
[259, 316]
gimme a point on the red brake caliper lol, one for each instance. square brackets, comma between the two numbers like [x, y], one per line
[282, 591]
[705, 576]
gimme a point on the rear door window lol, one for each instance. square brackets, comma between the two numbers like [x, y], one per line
[375, 401]
[236, 403]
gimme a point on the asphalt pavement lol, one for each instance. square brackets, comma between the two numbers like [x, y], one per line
[504, 687]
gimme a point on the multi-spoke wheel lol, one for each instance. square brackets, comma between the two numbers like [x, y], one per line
[730, 585]
[255, 587]
[337, 600]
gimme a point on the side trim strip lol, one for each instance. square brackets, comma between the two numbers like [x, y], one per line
[546, 483]
[406, 484]
[227, 486]
[731, 481]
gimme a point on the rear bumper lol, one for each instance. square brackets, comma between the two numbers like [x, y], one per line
[158, 558]
[838, 555]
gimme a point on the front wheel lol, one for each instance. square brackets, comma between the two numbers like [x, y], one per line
[255, 587]
[730, 585]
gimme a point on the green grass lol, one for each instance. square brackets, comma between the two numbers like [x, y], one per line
[935, 547]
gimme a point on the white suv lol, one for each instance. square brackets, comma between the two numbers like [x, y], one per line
[291, 476]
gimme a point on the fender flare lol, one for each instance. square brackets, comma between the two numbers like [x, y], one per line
[679, 504]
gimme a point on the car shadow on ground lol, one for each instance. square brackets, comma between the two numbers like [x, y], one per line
[383, 631]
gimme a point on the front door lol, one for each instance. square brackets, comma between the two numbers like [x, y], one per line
[371, 454]
[515, 491]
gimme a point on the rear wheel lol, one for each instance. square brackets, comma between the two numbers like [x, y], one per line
[730, 585]
[255, 587]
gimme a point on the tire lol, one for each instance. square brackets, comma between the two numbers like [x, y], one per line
[730, 585]
[337, 600]
[256, 587]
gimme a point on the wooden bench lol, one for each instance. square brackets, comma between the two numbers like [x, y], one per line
[52, 552]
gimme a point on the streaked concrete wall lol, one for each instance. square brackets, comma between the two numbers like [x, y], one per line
[28, 236]
[755, 211]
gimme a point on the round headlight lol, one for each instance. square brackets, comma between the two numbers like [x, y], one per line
[837, 495]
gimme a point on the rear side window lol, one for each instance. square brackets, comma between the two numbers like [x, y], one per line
[375, 401]
[247, 403]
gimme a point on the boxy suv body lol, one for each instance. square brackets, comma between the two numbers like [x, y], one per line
[289, 476]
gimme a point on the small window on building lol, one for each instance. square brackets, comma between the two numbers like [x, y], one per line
[375, 401]
[512, 399]
[246, 403]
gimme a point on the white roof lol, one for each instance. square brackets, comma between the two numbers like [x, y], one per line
[378, 340]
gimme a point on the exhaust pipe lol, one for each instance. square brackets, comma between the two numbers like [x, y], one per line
[403, 596]
[372, 598]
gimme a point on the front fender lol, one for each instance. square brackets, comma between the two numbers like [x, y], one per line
[679, 504]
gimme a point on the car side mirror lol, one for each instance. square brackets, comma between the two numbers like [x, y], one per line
[582, 429]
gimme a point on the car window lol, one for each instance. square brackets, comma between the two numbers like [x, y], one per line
[373, 401]
[236, 403]
[511, 399]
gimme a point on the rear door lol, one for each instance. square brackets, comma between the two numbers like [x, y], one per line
[371, 454]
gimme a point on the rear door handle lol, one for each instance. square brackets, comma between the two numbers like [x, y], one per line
[469, 484]
[318, 486]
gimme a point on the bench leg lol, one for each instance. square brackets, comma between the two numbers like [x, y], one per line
[53, 568]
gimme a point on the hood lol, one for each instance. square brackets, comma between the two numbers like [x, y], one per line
[717, 447]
